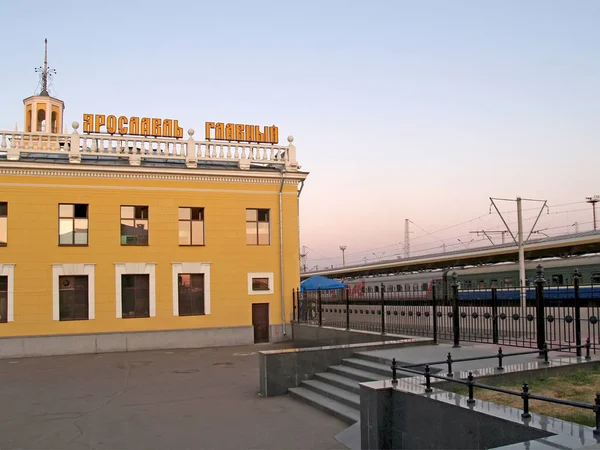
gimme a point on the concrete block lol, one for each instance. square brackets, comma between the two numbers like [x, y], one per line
[111, 343]
[58, 345]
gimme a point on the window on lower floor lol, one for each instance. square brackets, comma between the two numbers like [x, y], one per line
[72, 224]
[134, 225]
[3, 299]
[191, 294]
[3, 224]
[260, 284]
[135, 296]
[73, 297]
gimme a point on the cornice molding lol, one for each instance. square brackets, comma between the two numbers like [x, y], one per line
[143, 173]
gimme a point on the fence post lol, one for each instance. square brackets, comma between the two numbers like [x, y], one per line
[382, 308]
[347, 294]
[576, 277]
[435, 340]
[455, 322]
[539, 308]
[294, 305]
[495, 337]
[319, 307]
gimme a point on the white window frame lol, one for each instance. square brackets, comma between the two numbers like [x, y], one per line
[133, 268]
[59, 270]
[8, 270]
[191, 267]
[268, 275]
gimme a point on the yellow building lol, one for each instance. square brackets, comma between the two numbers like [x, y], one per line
[124, 235]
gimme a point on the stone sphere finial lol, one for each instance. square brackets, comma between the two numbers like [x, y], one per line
[290, 139]
[191, 131]
[75, 125]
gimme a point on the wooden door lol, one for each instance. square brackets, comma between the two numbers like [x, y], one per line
[260, 322]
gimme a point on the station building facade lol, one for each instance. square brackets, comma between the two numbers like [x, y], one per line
[126, 235]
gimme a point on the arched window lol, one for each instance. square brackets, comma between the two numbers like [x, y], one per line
[41, 120]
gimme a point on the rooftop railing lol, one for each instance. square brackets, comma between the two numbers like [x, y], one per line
[135, 149]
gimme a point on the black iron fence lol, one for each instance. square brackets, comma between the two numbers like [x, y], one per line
[525, 393]
[532, 316]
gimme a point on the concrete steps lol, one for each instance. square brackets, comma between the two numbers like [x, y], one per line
[337, 390]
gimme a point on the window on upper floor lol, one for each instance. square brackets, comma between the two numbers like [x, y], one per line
[73, 224]
[191, 226]
[134, 225]
[3, 224]
[258, 227]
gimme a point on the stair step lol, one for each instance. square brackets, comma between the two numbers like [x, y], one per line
[333, 392]
[340, 381]
[368, 366]
[341, 411]
[356, 374]
[388, 362]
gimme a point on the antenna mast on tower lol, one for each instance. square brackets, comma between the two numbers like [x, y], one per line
[45, 72]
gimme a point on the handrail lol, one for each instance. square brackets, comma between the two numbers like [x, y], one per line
[524, 394]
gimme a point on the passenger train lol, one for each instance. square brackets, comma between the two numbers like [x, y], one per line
[478, 281]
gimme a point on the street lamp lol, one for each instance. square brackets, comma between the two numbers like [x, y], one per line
[593, 200]
[343, 249]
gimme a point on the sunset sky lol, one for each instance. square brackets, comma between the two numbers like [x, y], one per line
[400, 110]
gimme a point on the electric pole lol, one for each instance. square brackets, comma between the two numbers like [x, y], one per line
[593, 200]
[343, 249]
[303, 258]
[520, 240]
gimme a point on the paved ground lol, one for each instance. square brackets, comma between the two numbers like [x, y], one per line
[195, 399]
[429, 353]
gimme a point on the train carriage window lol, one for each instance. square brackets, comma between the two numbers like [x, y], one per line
[493, 283]
[370, 289]
[407, 287]
[376, 289]
[424, 286]
[557, 279]
[415, 287]
[508, 282]
[390, 288]
[596, 277]
[399, 287]
[481, 284]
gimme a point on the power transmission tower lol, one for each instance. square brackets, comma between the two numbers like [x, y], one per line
[519, 240]
[593, 200]
[343, 249]
[406, 238]
[303, 259]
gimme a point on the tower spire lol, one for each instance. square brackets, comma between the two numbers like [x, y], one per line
[45, 72]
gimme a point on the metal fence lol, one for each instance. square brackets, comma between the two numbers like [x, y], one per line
[533, 316]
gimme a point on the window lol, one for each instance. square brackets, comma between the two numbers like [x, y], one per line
[494, 284]
[4, 299]
[424, 286]
[596, 277]
[191, 226]
[257, 227]
[135, 295]
[191, 294]
[3, 224]
[399, 287]
[481, 284]
[508, 282]
[134, 225]
[415, 287]
[72, 224]
[73, 297]
[407, 287]
[468, 284]
[260, 284]
[557, 279]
